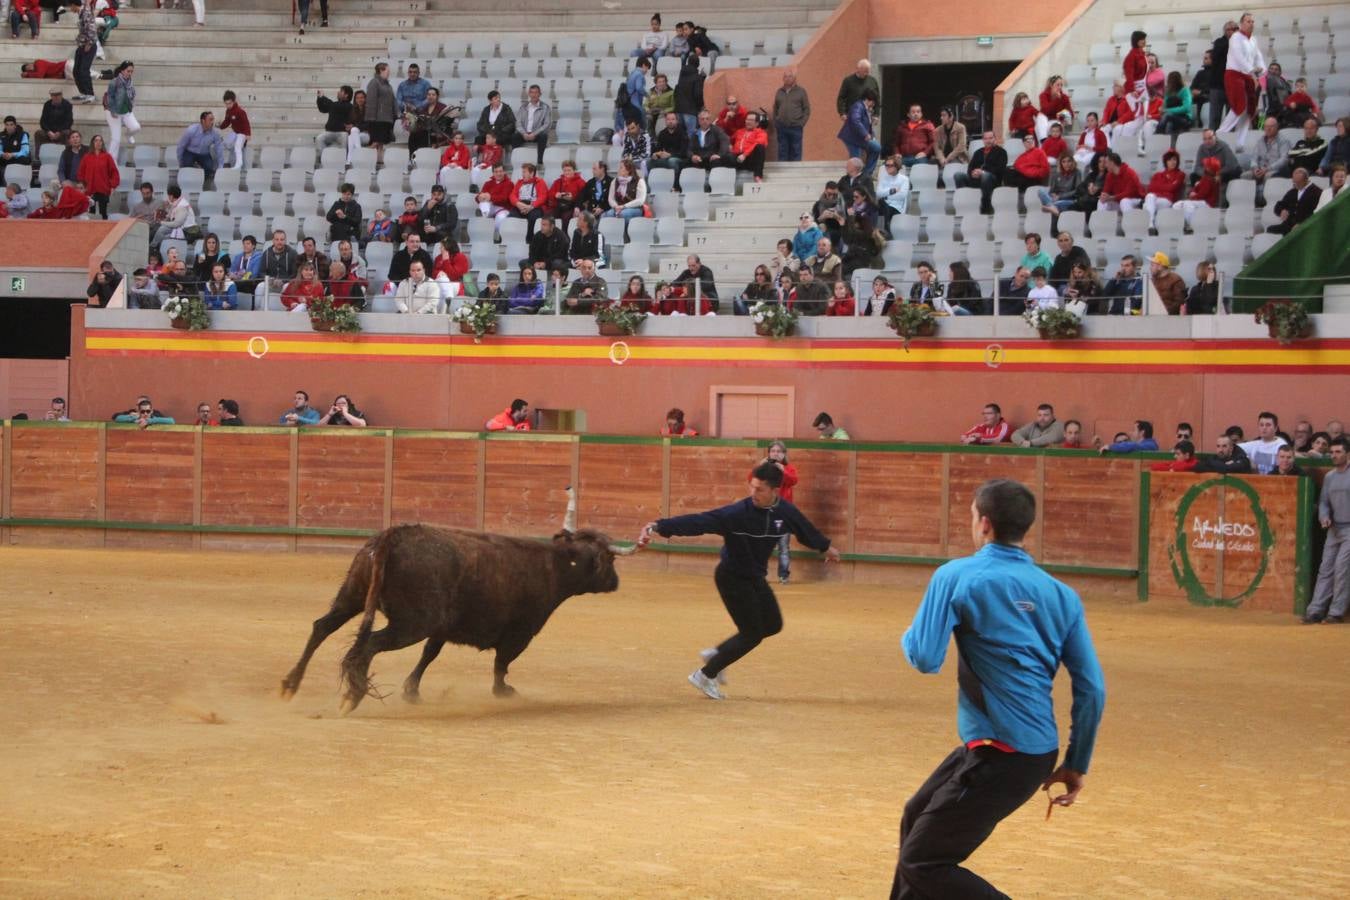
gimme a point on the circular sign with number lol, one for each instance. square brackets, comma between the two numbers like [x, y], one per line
[993, 355]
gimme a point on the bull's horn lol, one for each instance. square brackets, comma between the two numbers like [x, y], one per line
[624, 551]
[570, 519]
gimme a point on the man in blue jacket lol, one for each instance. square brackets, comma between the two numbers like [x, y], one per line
[1014, 624]
[750, 531]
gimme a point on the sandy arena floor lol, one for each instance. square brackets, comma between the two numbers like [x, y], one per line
[144, 751]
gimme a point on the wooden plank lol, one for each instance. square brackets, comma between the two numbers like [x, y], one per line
[246, 478]
[900, 497]
[705, 477]
[435, 480]
[340, 481]
[54, 473]
[197, 486]
[526, 487]
[149, 476]
[1244, 564]
[970, 470]
[1090, 508]
[619, 488]
[823, 491]
[6, 454]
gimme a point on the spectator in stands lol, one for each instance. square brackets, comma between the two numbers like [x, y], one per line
[1207, 192]
[964, 297]
[358, 129]
[14, 204]
[783, 260]
[400, 265]
[1042, 294]
[516, 417]
[697, 281]
[1303, 433]
[1229, 460]
[1300, 106]
[1165, 187]
[1298, 204]
[1073, 435]
[344, 412]
[1334, 189]
[175, 279]
[279, 265]
[892, 192]
[927, 290]
[689, 92]
[449, 269]
[236, 122]
[68, 166]
[429, 127]
[1284, 463]
[143, 414]
[1262, 449]
[882, 298]
[824, 262]
[494, 196]
[915, 138]
[1177, 109]
[106, 282]
[567, 191]
[1013, 292]
[455, 156]
[671, 147]
[1184, 431]
[749, 146]
[207, 259]
[356, 266]
[219, 291]
[1062, 192]
[345, 286]
[676, 426]
[841, 302]
[628, 191]
[22, 11]
[380, 113]
[1276, 89]
[339, 113]
[1054, 146]
[1205, 76]
[810, 296]
[490, 155]
[854, 177]
[1030, 169]
[201, 147]
[528, 294]
[827, 214]
[1092, 143]
[497, 120]
[828, 431]
[1119, 119]
[86, 45]
[759, 290]
[175, 217]
[1338, 148]
[1309, 150]
[1183, 459]
[587, 243]
[1270, 158]
[863, 242]
[411, 95]
[1319, 446]
[652, 43]
[1069, 255]
[142, 293]
[709, 145]
[809, 234]
[1035, 256]
[1022, 118]
[54, 127]
[304, 13]
[1055, 107]
[1170, 288]
[304, 290]
[1043, 431]
[1122, 190]
[631, 97]
[586, 291]
[438, 218]
[1203, 298]
[533, 120]
[635, 145]
[852, 88]
[344, 216]
[246, 268]
[992, 429]
[1156, 78]
[417, 293]
[594, 198]
[660, 101]
[548, 247]
[1140, 442]
[791, 112]
[57, 412]
[300, 413]
[99, 175]
[310, 255]
[1126, 289]
[985, 171]
[1083, 290]
[949, 141]
[732, 117]
[1244, 64]
[15, 149]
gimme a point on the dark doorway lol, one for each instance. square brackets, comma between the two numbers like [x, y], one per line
[32, 328]
[968, 87]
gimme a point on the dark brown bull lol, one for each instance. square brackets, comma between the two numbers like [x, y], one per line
[485, 590]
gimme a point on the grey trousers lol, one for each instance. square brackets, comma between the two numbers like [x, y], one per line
[1333, 578]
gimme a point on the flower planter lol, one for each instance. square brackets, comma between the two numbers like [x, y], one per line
[180, 322]
[467, 328]
[611, 329]
[763, 331]
[1305, 331]
[1046, 335]
[320, 326]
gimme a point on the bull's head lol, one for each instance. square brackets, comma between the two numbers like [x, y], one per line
[569, 527]
[586, 557]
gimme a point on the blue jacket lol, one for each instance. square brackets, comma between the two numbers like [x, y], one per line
[412, 93]
[307, 416]
[804, 242]
[857, 128]
[1133, 446]
[226, 299]
[1014, 624]
[201, 142]
[254, 267]
[749, 534]
[637, 88]
[527, 298]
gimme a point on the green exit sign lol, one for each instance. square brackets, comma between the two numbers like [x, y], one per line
[17, 284]
[984, 41]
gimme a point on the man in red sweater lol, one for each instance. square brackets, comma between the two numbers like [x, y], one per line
[915, 137]
[732, 117]
[1122, 189]
[1183, 459]
[515, 418]
[993, 430]
[1031, 168]
[749, 145]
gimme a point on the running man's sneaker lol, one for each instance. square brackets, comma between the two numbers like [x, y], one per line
[709, 654]
[705, 684]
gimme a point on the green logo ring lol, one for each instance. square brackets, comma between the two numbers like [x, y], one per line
[1183, 572]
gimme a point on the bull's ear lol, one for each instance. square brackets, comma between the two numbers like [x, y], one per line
[564, 536]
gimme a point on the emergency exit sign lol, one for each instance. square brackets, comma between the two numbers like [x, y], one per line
[17, 284]
[984, 41]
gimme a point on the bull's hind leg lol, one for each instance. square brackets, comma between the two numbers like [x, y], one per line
[510, 647]
[346, 605]
[412, 685]
[356, 664]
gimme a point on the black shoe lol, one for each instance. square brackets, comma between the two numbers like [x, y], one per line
[1334, 620]
[323, 24]
[36, 182]
[1310, 620]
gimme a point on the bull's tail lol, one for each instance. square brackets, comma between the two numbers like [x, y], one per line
[355, 665]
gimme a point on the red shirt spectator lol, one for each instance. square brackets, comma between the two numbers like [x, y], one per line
[341, 290]
[1117, 111]
[565, 184]
[1169, 183]
[790, 480]
[499, 192]
[1123, 184]
[732, 118]
[747, 139]
[504, 421]
[540, 192]
[1135, 68]
[1176, 465]
[1033, 164]
[993, 430]
[1022, 119]
[452, 267]
[489, 155]
[913, 138]
[236, 120]
[1155, 108]
[1054, 147]
[1094, 140]
[1207, 189]
[301, 291]
[456, 155]
[46, 68]
[1052, 106]
[98, 172]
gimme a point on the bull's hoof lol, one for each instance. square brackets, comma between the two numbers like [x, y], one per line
[348, 703]
[288, 688]
[503, 690]
[411, 696]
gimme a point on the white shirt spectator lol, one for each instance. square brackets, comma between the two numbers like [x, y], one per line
[1262, 453]
[1045, 297]
[893, 190]
[1244, 55]
[418, 296]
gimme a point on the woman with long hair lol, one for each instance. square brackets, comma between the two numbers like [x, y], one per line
[841, 301]
[759, 289]
[883, 296]
[219, 291]
[1062, 192]
[1022, 119]
[636, 295]
[528, 294]
[964, 297]
[1177, 108]
[98, 172]
[211, 256]
[627, 192]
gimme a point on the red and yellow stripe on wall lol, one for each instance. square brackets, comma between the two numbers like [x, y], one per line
[1305, 357]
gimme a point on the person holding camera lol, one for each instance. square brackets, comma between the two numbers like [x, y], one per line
[344, 412]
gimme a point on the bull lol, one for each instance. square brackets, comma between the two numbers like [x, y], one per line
[442, 585]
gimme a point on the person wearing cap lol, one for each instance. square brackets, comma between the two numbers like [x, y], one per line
[58, 118]
[438, 218]
[1168, 284]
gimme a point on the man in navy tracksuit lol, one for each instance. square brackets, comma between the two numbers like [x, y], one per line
[1014, 624]
[750, 530]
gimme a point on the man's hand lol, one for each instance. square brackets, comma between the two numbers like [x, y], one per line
[977, 173]
[1326, 523]
[1070, 779]
[646, 535]
[832, 554]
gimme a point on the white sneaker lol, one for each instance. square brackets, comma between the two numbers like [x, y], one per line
[705, 684]
[709, 654]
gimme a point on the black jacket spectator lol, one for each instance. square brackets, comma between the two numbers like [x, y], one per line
[281, 265]
[443, 218]
[1237, 464]
[68, 167]
[708, 287]
[594, 197]
[103, 291]
[706, 144]
[586, 245]
[1063, 264]
[993, 160]
[676, 142]
[57, 116]
[339, 113]
[346, 227]
[1012, 299]
[689, 89]
[549, 249]
[1300, 209]
[1203, 298]
[403, 260]
[504, 128]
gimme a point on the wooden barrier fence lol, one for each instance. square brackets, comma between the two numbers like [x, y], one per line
[101, 484]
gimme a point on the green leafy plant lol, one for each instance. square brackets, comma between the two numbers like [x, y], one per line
[187, 312]
[626, 319]
[1054, 322]
[480, 316]
[910, 320]
[324, 315]
[773, 319]
[1288, 321]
